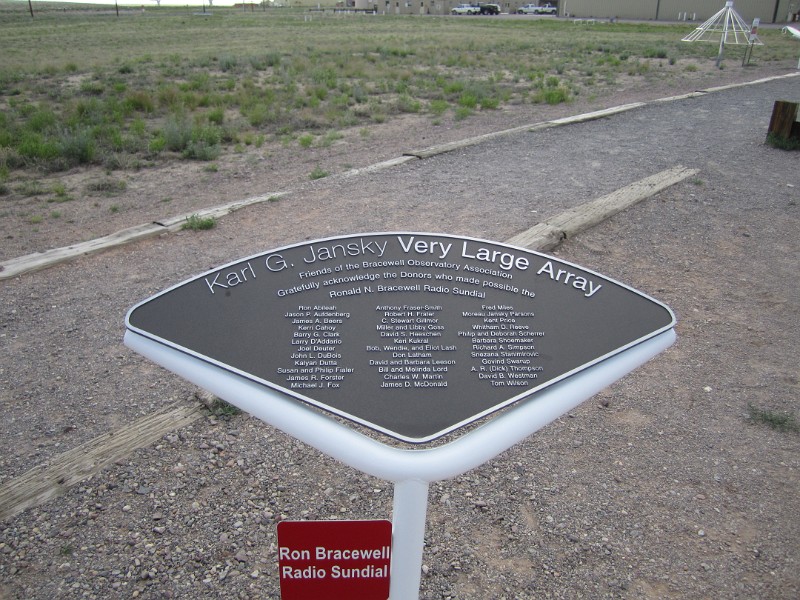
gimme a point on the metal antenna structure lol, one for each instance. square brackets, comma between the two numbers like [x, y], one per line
[727, 27]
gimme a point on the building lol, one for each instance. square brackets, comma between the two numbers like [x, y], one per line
[769, 11]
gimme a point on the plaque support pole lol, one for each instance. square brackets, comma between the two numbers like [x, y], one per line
[408, 538]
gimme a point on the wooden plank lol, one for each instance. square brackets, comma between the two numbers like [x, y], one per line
[598, 114]
[374, 168]
[722, 88]
[42, 260]
[459, 144]
[549, 234]
[50, 480]
[217, 212]
[681, 97]
[473, 141]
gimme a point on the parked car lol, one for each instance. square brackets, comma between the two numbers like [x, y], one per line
[547, 9]
[466, 9]
[535, 9]
[490, 9]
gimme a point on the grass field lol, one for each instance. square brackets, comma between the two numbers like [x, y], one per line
[88, 87]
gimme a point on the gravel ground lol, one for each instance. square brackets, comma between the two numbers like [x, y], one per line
[659, 487]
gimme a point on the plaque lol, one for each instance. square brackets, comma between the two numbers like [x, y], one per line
[414, 335]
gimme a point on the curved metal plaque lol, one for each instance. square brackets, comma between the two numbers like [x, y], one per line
[411, 334]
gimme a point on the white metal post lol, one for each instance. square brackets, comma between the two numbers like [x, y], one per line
[408, 538]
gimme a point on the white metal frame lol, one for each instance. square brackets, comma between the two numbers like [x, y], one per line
[793, 31]
[729, 26]
[411, 471]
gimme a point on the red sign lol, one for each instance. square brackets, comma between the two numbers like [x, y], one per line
[335, 560]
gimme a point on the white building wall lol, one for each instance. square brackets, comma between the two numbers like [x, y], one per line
[669, 10]
[748, 9]
[604, 9]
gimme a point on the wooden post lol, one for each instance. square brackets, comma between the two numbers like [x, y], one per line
[784, 117]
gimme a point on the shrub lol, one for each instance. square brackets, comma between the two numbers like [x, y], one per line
[781, 422]
[227, 62]
[552, 95]
[330, 138]
[256, 115]
[157, 144]
[216, 115]
[198, 223]
[639, 68]
[77, 147]
[201, 150]
[468, 100]
[93, 88]
[318, 173]
[207, 134]
[306, 140]
[438, 107]
[31, 188]
[169, 96]
[108, 186]
[177, 133]
[655, 53]
[453, 87]
[41, 120]
[140, 100]
[34, 146]
[462, 112]
[407, 104]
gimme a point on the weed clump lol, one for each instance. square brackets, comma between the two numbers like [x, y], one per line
[198, 223]
[778, 421]
[783, 143]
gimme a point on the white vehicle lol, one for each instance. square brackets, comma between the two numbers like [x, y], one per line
[466, 9]
[535, 9]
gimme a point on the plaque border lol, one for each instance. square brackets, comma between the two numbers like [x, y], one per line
[527, 393]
